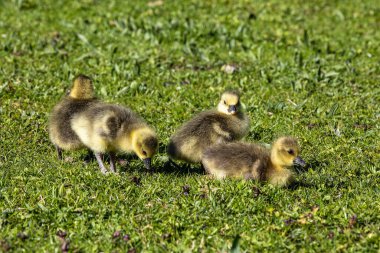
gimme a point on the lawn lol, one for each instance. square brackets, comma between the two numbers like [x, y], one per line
[310, 69]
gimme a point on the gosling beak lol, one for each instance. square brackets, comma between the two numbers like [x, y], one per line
[147, 163]
[232, 109]
[299, 161]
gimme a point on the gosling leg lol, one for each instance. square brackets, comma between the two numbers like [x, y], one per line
[112, 162]
[100, 162]
[59, 152]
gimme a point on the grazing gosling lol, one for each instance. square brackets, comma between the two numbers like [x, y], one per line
[108, 128]
[251, 161]
[80, 120]
[225, 124]
[79, 98]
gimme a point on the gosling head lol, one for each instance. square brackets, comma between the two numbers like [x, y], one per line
[229, 103]
[285, 153]
[82, 88]
[145, 145]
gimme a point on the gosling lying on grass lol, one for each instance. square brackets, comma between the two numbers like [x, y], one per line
[80, 120]
[225, 124]
[251, 161]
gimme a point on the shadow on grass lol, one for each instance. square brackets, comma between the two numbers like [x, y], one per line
[88, 157]
[123, 162]
[170, 167]
[299, 184]
[311, 164]
[181, 169]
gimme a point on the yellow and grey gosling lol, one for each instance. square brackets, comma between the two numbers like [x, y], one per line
[252, 161]
[108, 128]
[80, 97]
[227, 123]
[80, 120]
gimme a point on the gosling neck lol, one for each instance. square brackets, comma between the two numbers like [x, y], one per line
[276, 162]
[124, 140]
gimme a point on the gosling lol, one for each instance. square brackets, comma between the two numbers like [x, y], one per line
[80, 120]
[79, 98]
[251, 161]
[225, 124]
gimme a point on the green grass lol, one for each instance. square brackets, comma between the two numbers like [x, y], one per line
[306, 68]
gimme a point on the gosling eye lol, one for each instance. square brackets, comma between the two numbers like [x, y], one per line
[144, 153]
[291, 151]
[224, 102]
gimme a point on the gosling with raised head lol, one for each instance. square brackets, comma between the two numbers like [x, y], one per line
[227, 123]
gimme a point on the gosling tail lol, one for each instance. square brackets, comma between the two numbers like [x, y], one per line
[82, 88]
